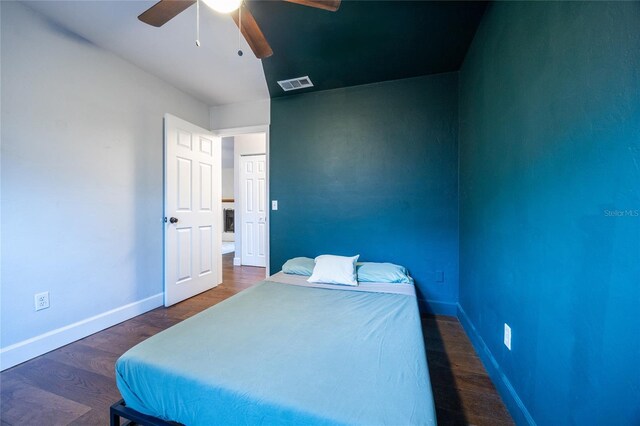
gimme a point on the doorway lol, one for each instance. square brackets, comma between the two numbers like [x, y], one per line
[245, 191]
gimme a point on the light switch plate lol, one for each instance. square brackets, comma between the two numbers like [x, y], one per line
[274, 204]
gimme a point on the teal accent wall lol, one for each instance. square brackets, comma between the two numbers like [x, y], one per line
[370, 170]
[550, 208]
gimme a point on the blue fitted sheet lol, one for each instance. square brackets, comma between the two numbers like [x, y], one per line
[286, 354]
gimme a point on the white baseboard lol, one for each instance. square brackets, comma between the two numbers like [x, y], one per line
[36, 346]
[237, 261]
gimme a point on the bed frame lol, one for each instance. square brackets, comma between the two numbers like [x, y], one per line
[120, 410]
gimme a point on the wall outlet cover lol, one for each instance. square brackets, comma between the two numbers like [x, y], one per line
[41, 300]
[507, 336]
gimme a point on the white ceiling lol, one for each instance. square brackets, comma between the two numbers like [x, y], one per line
[213, 73]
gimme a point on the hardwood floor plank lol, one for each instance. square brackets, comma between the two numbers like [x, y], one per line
[450, 346]
[451, 418]
[110, 341]
[95, 416]
[86, 357]
[462, 380]
[455, 361]
[23, 404]
[479, 404]
[69, 382]
[156, 318]
[448, 330]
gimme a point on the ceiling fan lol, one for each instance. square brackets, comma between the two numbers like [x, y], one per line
[165, 10]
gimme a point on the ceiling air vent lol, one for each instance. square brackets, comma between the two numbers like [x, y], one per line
[295, 83]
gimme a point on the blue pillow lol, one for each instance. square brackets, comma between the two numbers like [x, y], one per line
[299, 266]
[382, 273]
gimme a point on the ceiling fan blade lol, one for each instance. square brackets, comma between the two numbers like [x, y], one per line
[330, 5]
[164, 11]
[252, 33]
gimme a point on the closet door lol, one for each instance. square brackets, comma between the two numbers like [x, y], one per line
[254, 209]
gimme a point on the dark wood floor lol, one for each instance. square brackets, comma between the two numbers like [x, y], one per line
[75, 385]
[462, 390]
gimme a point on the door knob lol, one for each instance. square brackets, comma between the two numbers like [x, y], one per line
[173, 220]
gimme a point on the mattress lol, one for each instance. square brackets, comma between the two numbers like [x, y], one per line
[287, 353]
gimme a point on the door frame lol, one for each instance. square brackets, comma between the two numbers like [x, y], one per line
[237, 131]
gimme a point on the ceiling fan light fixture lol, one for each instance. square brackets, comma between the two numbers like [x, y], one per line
[223, 6]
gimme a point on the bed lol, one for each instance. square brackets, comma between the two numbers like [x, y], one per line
[287, 352]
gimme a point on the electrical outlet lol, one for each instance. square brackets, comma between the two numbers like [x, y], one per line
[42, 300]
[439, 276]
[507, 336]
[274, 204]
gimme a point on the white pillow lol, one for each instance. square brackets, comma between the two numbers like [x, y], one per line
[331, 269]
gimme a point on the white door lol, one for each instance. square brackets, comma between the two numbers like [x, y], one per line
[253, 200]
[193, 210]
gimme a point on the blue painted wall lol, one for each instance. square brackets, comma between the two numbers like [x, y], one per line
[550, 207]
[371, 170]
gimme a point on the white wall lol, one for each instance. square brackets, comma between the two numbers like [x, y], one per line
[227, 167]
[81, 184]
[227, 183]
[228, 180]
[244, 114]
[249, 144]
